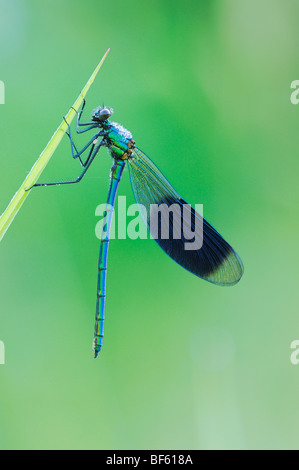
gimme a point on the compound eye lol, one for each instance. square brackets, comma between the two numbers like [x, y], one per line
[101, 114]
[104, 114]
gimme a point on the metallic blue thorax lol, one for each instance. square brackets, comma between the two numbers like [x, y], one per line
[120, 141]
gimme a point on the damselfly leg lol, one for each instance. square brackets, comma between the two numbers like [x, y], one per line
[89, 125]
[77, 154]
[94, 150]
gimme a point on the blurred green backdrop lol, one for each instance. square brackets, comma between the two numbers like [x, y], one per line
[205, 88]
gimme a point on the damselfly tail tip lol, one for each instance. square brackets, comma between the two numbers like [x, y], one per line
[95, 353]
[96, 349]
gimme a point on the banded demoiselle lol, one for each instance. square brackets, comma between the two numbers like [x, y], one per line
[213, 260]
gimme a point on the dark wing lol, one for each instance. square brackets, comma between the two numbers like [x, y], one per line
[211, 257]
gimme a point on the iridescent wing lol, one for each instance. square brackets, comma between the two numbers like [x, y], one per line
[168, 217]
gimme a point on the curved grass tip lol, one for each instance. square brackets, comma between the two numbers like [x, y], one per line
[18, 200]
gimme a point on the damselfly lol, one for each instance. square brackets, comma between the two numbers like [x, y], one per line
[212, 259]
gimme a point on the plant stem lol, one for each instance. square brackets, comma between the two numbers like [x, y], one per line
[18, 200]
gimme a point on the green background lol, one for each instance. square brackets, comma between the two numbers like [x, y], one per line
[204, 86]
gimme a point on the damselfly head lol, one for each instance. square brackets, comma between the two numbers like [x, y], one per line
[102, 113]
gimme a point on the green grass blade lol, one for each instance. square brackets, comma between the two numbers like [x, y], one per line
[18, 200]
